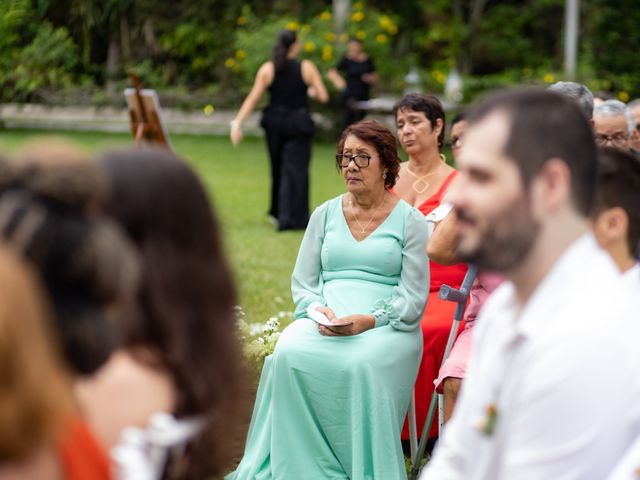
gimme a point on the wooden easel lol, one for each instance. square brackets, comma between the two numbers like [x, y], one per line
[144, 115]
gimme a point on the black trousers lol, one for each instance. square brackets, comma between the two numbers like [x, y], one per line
[350, 112]
[290, 154]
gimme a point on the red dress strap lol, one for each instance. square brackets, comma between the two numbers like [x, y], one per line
[434, 200]
[81, 455]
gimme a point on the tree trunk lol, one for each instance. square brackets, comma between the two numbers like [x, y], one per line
[113, 63]
[475, 17]
[341, 10]
[125, 39]
[150, 36]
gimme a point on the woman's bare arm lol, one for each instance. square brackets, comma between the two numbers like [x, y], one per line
[312, 78]
[263, 79]
[443, 244]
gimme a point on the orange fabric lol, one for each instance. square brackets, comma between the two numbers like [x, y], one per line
[82, 457]
[435, 323]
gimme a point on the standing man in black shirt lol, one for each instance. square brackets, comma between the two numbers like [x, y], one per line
[358, 74]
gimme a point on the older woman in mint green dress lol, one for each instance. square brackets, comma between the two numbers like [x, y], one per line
[333, 396]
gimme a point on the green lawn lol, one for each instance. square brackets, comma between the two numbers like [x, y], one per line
[238, 182]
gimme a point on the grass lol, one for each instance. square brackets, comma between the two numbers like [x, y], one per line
[237, 180]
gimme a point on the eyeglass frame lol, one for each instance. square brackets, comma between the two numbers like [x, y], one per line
[340, 156]
[614, 140]
[454, 140]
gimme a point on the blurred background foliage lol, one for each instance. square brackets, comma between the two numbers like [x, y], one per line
[207, 51]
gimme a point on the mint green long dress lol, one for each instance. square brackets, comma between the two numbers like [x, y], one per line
[333, 407]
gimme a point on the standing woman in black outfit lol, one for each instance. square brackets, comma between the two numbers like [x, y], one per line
[358, 74]
[288, 126]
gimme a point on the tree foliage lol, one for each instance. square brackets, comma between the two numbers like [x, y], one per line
[215, 46]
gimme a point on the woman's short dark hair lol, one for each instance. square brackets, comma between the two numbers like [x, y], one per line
[187, 296]
[50, 200]
[284, 40]
[427, 104]
[384, 142]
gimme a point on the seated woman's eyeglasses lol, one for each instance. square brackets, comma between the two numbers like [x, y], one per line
[618, 139]
[361, 160]
[455, 142]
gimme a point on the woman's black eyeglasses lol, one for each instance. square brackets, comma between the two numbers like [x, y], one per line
[361, 160]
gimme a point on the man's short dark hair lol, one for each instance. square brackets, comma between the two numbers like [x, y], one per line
[546, 125]
[619, 186]
[460, 117]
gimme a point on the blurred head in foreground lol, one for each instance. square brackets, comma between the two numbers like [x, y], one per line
[50, 211]
[36, 391]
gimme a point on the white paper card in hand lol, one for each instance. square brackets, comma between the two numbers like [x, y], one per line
[321, 318]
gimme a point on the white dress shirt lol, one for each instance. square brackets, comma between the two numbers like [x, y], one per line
[629, 466]
[559, 375]
[632, 278]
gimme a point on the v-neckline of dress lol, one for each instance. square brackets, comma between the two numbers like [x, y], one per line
[346, 224]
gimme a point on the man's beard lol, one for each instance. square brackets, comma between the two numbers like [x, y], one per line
[506, 242]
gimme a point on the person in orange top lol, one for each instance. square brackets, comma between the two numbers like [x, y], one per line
[42, 434]
[36, 392]
[422, 182]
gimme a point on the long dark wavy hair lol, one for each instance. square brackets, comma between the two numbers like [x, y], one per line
[187, 298]
[284, 40]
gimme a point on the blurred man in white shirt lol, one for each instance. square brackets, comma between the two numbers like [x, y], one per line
[552, 389]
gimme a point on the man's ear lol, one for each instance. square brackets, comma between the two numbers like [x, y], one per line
[551, 187]
[611, 226]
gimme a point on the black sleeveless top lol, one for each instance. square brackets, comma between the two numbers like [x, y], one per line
[288, 89]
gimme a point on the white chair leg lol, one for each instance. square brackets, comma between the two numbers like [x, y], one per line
[413, 429]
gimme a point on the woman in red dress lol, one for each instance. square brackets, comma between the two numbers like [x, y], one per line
[422, 182]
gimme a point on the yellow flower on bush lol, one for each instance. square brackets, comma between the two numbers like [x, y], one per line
[241, 20]
[439, 76]
[392, 29]
[327, 53]
[241, 54]
[623, 96]
[309, 47]
[385, 21]
[549, 78]
[292, 26]
[357, 17]
[325, 16]
[357, 6]
[329, 36]
[361, 34]
[229, 63]
[381, 38]
[343, 38]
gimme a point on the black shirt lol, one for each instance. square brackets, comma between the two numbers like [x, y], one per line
[353, 71]
[288, 88]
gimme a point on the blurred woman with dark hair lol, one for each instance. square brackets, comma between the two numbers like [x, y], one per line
[288, 127]
[180, 369]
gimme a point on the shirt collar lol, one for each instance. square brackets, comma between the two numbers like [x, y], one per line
[549, 292]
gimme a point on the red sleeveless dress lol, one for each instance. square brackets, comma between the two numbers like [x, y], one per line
[435, 324]
[81, 455]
